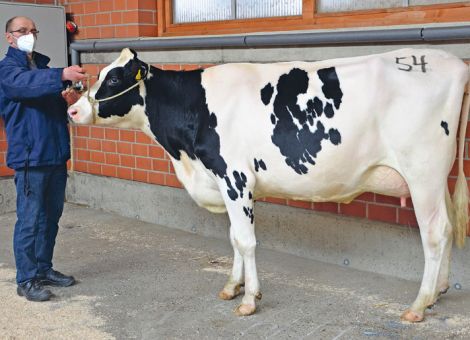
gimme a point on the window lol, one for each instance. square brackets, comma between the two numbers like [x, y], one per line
[331, 6]
[186, 11]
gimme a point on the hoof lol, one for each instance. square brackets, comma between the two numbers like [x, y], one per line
[411, 316]
[226, 294]
[244, 310]
[443, 290]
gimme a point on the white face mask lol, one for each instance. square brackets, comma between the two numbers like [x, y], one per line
[26, 43]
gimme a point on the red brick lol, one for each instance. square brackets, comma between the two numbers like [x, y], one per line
[139, 175]
[116, 18]
[107, 32]
[143, 163]
[97, 157]
[189, 67]
[120, 4]
[103, 19]
[111, 134]
[94, 144]
[300, 204]
[128, 161]
[140, 150]
[355, 208]
[173, 67]
[148, 5]
[112, 158]
[108, 170]
[146, 17]
[106, 5]
[124, 148]
[382, 213]
[172, 181]
[387, 199]
[108, 146]
[142, 138]
[83, 155]
[83, 131]
[89, 20]
[156, 178]
[124, 173]
[407, 217]
[160, 165]
[81, 166]
[77, 8]
[127, 135]
[81, 143]
[326, 207]
[156, 152]
[97, 132]
[5, 171]
[130, 17]
[367, 196]
[94, 169]
[91, 6]
[275, 200]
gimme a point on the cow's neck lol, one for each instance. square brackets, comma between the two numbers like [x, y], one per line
[180, 119]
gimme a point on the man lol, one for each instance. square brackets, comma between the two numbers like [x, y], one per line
[38, 148]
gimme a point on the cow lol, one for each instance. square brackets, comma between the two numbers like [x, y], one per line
[315, 131]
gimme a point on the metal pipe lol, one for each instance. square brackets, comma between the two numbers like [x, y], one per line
[416, 35]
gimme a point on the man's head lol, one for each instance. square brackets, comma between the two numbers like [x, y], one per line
[21, 33]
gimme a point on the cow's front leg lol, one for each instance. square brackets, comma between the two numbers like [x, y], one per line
[235, 281]
[242, 231]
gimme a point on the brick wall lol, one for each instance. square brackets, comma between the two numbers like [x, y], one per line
[129, 154]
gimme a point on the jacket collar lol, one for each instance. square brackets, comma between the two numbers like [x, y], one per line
[22, 57]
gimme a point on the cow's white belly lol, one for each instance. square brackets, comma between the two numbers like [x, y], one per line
[200, 185]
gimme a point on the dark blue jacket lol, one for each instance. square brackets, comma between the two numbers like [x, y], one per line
[34, 111]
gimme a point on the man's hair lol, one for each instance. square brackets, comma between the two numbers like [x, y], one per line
[8, 25]
[10, 22]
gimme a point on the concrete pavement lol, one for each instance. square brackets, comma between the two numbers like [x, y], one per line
[143, 281]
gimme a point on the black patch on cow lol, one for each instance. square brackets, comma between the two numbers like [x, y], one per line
[250, 195]
[318, 106]
[445, 126]
[181, 121]
[249, 213]
[240, 181]
[300, 145]
[331, 88]
[267, 93]
[117, 80]
[273, 119]
[329, 111]
[232, 193]
[259, 164]
[335, 137]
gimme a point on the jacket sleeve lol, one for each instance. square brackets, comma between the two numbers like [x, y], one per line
[20, 83]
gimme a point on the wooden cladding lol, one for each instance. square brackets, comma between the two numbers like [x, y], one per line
[310, 19]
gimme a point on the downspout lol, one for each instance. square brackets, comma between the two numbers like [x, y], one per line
[408, 35]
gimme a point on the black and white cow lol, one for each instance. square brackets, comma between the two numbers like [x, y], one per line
[322, 131]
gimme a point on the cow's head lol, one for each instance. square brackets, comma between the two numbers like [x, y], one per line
[118, 97]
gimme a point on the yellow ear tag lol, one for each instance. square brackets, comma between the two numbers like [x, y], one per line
[138, 76]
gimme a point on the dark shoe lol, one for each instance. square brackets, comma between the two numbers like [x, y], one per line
[33, 291]
[55, 278]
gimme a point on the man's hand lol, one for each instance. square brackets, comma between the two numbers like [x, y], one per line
[73, 73]
[71, 96]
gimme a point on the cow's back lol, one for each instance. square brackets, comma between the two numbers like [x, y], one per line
[319, 127]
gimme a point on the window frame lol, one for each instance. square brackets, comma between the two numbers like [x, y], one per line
[457, 11]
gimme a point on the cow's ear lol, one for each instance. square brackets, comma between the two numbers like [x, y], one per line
[134, 53]
[141, 71]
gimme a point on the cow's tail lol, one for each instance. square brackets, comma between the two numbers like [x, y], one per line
[460, 198]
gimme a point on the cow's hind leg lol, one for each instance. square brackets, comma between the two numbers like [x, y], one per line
[436, 236]
[235, 281]
[242, 230]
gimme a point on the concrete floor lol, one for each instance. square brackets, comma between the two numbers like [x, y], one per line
[143, 281]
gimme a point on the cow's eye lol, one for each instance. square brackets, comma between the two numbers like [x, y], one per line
[113, 81]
